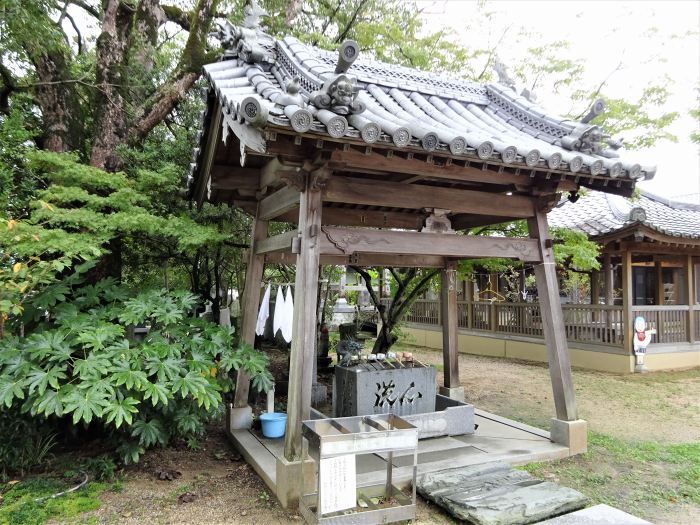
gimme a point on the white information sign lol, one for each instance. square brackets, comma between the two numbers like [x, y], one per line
[337, 481]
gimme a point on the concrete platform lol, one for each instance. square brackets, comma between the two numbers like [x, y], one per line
[496, 439]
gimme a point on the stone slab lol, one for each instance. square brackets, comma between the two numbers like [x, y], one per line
[495, 494]
[597, 515]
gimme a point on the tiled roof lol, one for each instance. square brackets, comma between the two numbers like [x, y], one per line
[597, 214]
[399, 107]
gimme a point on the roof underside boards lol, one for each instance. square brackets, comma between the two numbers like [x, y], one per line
[598, 214]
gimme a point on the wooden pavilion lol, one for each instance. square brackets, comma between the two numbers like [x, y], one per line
[383, 165]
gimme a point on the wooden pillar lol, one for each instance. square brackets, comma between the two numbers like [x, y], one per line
[448, 308]
[250, 304]
[609, 281]
[303, 351]
[627, 301]
[595, 293]
[553, 322]
[595, 287]
[659, 293]
[469, 297]
[690, 296]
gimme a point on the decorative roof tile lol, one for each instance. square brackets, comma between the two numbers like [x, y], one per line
[343, 94]
[597, 214]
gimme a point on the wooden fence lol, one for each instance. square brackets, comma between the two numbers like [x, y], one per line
[584, 323]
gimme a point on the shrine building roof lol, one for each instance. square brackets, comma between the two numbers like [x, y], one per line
[602, 215]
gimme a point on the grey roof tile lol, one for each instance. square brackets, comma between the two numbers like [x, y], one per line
[599, 213]
[464, 117]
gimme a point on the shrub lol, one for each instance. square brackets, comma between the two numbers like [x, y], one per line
[83, 364]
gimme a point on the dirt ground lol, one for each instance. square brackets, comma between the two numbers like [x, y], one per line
[211, 486]
[214, 486]
[662, 406]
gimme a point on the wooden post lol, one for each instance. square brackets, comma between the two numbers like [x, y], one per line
[627, 301]
[469, 297]
[690, 296]
[448, 309]
[660, 295]
[595, 292]
[553, 322]
[303, 350]
[609, 281]
[250, 304]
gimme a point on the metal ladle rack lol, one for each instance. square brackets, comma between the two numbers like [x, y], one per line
[384, 433]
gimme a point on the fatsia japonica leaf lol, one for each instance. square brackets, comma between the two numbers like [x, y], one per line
[9, 390]
[193, 383]
[95, 365]
[130, 452]
[188, 423]
[149, 433]
[120, 410]
[85, 404]
[124, 375]
[51, 344]
[98, 337]
[39, 379]
[167, 369]
[49, 404]
[156, 392]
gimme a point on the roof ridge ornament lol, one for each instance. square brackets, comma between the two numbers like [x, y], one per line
[339, 91]
[589, 138]
[502, 71]
[246, 42]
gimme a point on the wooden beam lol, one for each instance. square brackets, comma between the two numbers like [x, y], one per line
[277, 243]
[364, 260]
[346, 241]
[416, 196]
[369, 218]
[303, 351]
[448, 310]
[553, 322]
[234, 178]
[465, 221]
[283, 200]
[375, 161]
[249, 305]
[274, 171]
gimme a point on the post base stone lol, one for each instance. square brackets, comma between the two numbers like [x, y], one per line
[239, 418]
[289, 478]
[640, 369]
[456, 393]
[572, 434]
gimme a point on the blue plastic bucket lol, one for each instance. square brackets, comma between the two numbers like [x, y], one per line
[273, 424]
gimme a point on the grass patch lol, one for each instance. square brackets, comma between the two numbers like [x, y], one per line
[20, 508]
[637, 477]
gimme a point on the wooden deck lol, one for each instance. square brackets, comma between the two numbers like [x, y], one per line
[496, 439]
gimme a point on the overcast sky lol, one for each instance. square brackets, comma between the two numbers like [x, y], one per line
[602, 33]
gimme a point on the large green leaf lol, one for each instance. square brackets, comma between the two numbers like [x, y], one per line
[85, 404]
[39, 379]
[10, 389]
[156, 392]
[124, 375]
[120, 410]
[49, 404]
[150, 432]
[93, 366]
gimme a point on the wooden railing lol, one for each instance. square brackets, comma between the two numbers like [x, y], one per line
[670, 322]
[598, 324]
[584, 323]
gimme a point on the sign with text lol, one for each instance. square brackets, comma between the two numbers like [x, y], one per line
[337, 482]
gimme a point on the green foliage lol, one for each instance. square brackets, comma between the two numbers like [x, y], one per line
[84, 366]
[21, 508]
[24, 445]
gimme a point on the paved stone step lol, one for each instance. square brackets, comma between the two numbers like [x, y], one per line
[496, 494]
[597, 515]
